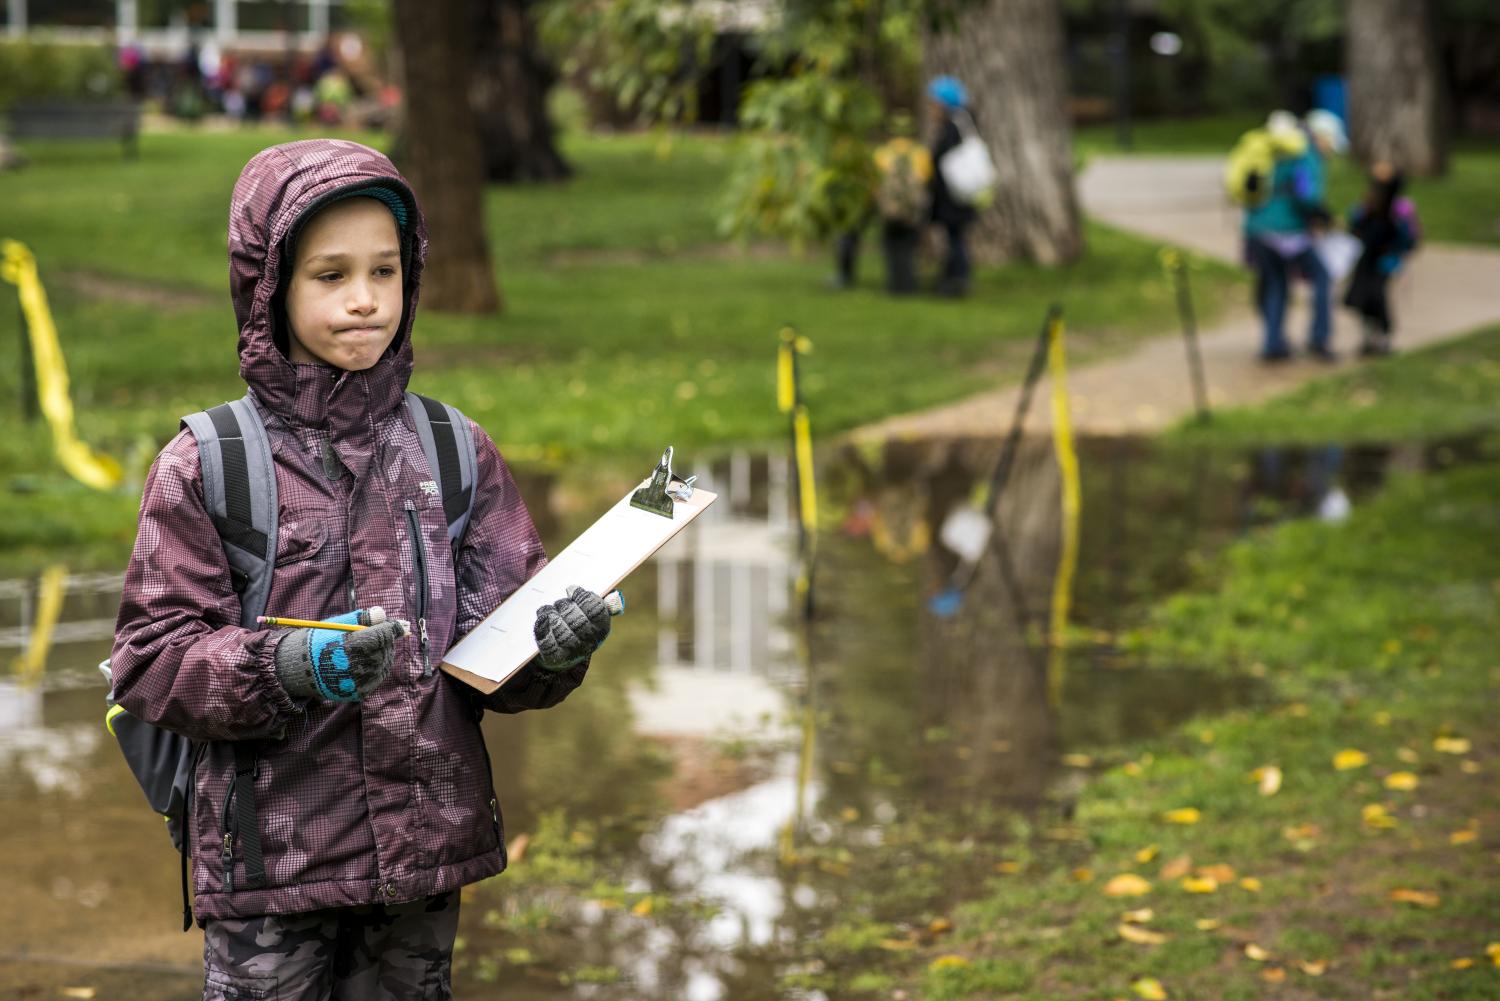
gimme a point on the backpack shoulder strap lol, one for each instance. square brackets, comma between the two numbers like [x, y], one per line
[449, 446]
[239, 489]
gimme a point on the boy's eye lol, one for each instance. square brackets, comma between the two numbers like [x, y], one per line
[329, 276]
[385, 271]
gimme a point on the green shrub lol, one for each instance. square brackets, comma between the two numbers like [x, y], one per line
[56, 69]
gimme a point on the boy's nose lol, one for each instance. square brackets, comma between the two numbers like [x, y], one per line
[362, 298]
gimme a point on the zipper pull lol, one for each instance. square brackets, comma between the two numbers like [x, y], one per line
[426, 660]
[226, 856]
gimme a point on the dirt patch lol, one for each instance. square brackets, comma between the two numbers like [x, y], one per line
[701, 771]
[92, 285]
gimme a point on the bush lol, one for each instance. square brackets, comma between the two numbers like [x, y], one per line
[56, 69]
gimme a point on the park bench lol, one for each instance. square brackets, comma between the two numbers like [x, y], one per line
[101, 118]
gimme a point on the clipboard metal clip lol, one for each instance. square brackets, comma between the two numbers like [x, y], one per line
[657, 496]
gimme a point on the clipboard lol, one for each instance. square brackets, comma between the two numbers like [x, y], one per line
[607, 552]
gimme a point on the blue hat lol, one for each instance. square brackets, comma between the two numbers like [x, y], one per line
[948, 91]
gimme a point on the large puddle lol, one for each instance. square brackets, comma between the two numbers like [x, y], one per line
[716, 792]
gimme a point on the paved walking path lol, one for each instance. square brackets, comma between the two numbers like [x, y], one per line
[1446, 291]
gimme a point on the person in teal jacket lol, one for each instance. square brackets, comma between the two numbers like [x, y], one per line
[1279, 239]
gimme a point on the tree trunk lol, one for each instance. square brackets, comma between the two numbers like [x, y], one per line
[1009, 55]
[442, 158]
[1395, 85]
[509, 95]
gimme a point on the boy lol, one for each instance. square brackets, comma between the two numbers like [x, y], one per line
[331, 867]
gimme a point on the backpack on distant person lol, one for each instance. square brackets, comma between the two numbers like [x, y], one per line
[1252, 163]
[239, 490]
[967, 168]
[904, 168]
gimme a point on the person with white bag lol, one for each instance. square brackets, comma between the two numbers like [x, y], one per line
[962, 181]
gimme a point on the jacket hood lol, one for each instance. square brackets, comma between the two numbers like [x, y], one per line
[278, 188]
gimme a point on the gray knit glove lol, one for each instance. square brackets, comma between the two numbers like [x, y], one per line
[336, 665]
[570, 629]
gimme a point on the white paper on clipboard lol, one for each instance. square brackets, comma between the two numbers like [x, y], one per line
[599, 559]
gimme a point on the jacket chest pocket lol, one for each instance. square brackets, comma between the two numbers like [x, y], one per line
[300, 536]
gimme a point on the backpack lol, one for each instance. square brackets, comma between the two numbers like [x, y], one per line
[1252, 162]
[239, 490]
[904, 169]
[967, 168]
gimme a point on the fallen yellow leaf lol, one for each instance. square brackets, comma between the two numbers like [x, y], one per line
[1298, 709]
[1127, 884]
[1255, 952]
[1463, 837]
[1302, 834]
[1313, 967]
[1407, 755]
[939, 926]
[1273, 975]
[1077, 760]
[1150, 989]
[1206, 924]
[1250, 883]
[1493, 951]
[1462, 963]
[1139, 917]
[1218, 871]
[1421, 898]
[1206, 884]
[1350, 758]
[1207, 736]
[1179, 866]
[1452, 745]
[897, 944]
[1139, 935]
[948, 962]
[1269, 778]
[642, 908]
[1147, 854]
[1375, 815]
[1082, 874]
[1403, 781]
[1008, 867]
[849, 814]
[1131, 768]
[1182, 815]
[1469, 767]
[1382, 718]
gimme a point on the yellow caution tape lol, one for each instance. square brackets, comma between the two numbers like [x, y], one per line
[1072, 504]
[18, 266]
[786, 379]
[807, 489]
[33, 661]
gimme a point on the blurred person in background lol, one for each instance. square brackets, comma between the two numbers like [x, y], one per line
[1386, 224]
[947, 99]
[1281, 230]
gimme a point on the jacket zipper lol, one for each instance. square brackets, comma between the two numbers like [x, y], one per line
[226, 853]
[489, 771]
[419, 560]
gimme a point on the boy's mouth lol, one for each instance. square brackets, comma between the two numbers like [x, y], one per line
[360, 330]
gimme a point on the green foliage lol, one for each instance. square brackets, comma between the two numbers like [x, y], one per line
[643, 52]
[805, 171]
[41, 68]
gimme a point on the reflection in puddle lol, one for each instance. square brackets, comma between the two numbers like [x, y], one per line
[727, 785]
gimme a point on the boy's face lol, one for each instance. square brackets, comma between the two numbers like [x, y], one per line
[344, 300]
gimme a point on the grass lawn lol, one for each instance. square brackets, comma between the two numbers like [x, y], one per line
[1463, 207]
[629, 323]
[1449, 389]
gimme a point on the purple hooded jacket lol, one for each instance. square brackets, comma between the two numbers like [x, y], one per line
[383, 801]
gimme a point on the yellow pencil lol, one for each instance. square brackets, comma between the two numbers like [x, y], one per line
[276, 620]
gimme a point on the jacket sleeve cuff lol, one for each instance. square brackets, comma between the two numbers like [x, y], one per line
[535, 687]
[263, 646]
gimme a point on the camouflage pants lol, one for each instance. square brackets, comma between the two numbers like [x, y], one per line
[376, 952]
